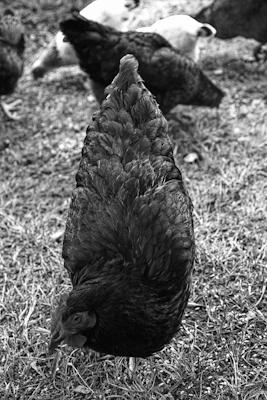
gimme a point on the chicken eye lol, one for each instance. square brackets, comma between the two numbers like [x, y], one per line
[76, 318]
[129, 5]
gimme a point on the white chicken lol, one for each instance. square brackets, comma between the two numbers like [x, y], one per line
[110, 12]
[59, 53]
[183, 32]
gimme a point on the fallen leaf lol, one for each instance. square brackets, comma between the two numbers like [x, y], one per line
[191, 157]
[82, 389]
[56, 236]
[218, 71]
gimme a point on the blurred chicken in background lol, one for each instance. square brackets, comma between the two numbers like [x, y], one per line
[233, 18]
[171, 77]
[183, 32]
[12, 45]
[59, 53]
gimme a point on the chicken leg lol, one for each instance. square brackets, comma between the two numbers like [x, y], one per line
[132, 365]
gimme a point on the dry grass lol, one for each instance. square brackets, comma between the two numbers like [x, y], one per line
[220, 353]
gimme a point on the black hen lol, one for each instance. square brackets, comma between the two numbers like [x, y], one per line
[12, 46]
[237, 18]
[129, 241]
[171, 77]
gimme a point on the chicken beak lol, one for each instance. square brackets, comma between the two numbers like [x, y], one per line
[56, 338]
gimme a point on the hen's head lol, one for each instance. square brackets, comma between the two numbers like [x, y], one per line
[70, 323]
[115, 315]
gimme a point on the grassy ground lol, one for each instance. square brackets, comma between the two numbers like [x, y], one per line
[220, 353]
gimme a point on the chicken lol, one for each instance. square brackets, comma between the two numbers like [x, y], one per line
[12, 44]
[112, 13]
[129, 241]
[59, 53]
[233, 18]
[172, 78]
[183, 32]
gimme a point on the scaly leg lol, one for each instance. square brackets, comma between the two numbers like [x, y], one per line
[132, 365]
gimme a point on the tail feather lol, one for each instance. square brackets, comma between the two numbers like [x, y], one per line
[127, 74]
[204, 15]
[79, 25]
[128, 91]
[129, 128]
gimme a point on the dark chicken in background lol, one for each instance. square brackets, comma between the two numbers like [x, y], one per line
[12, 45]
[171, 77]
[233, 18]
[58, 53]
[129, 241]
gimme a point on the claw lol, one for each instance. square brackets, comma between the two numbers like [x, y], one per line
[8, 108]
